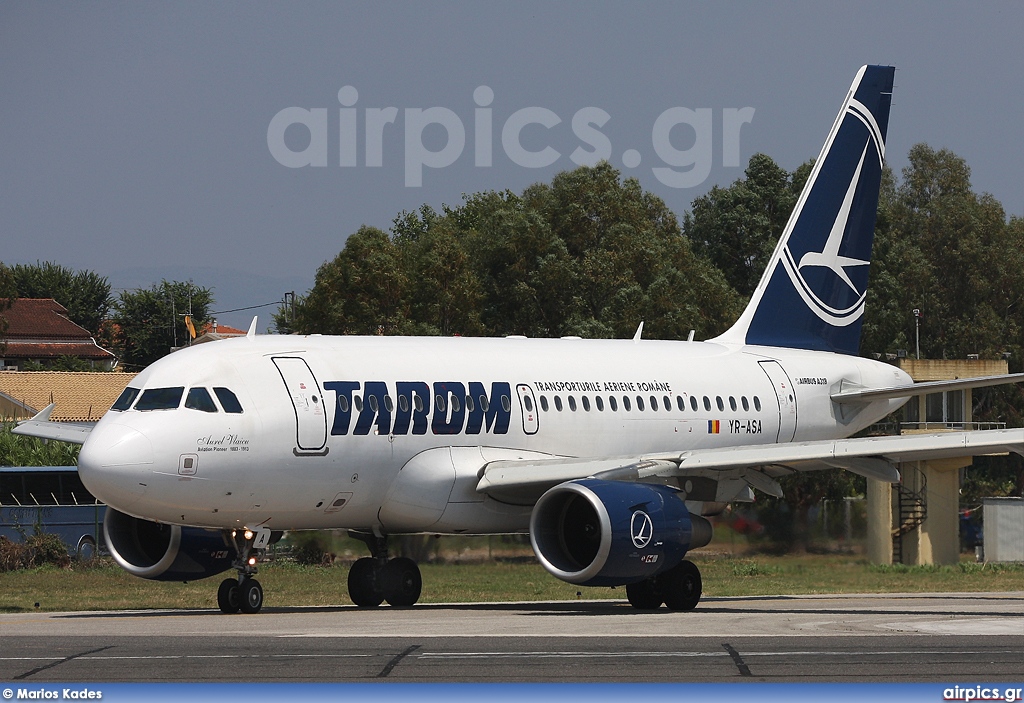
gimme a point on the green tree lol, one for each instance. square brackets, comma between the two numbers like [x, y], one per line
[361, 291]
[85, 294]
[590, 254]
[19, 450]
[148, 322]
[737, 227]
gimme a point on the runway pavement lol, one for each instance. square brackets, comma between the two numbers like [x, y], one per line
[904, 637]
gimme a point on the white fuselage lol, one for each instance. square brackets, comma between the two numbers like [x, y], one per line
[328, 423]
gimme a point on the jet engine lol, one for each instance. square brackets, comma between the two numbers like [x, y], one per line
[593, 532]
[151, 550]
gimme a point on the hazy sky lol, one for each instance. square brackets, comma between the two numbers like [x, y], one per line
[137, 139]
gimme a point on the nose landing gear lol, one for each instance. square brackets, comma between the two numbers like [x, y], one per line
[243, 593]
[375, 579]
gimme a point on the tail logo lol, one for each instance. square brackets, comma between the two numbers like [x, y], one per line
[844, 313]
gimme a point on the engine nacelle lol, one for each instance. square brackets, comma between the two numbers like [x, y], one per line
[151, 550]
[610, 533]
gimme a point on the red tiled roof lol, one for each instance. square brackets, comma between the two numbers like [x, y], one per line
[221, 329]
[55, 350]
[41, 318]
[80, 396]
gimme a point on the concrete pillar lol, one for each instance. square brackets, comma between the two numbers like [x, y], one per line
[940, 533]
[879, 499]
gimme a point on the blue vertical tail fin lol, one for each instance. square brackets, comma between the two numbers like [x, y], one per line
[811, 295]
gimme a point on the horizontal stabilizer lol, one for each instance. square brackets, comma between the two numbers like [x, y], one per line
[860, 395]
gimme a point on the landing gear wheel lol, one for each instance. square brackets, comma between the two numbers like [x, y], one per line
[251, 596]
[401, 582]
[363, 587]
[228, 598]
[644, 595]
[681, 586]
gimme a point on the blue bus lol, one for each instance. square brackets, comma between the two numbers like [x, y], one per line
[50, 499]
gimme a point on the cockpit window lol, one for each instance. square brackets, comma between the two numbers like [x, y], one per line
[199, 399]
[160, 398]
[228, 400]
[124, 401]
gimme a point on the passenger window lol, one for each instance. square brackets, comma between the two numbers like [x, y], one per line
[613, 404]
[343, 403]
[470, 407]
[732, 403]
[357, 404]
[527, 403]
[667, 402]
[625, 403]
[484, 405]
[654, 403]
[417, 402]
[746, 405]
[161, 398]
[544, 403]
[586, 403]
[572, 403]
[124, 401]
[456, 405]
[639, 403]
[199, 399]
[558, 403]
[506, 403]
[693, 403]
[439, 402]
[372, 401]
[600, 403]
[719, 403]
[680, 403]
[707, 404]
[757, 404]
[403, 403]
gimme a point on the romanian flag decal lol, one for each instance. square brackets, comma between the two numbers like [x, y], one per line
[714, 426]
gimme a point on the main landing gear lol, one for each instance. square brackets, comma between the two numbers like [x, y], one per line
[242, 592]
[679, 588]
[375, 579]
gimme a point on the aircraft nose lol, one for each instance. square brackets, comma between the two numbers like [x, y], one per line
[115, 463]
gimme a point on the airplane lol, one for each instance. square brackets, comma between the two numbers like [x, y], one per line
[609, 453]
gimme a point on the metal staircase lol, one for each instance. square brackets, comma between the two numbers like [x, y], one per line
[912, 508]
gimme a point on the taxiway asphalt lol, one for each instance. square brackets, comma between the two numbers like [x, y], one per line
[863, 638]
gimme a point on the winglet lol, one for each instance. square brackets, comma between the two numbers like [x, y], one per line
[41, 416]
[252, 328]
[41, 426]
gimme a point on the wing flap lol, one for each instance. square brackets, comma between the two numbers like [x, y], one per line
[873, 457]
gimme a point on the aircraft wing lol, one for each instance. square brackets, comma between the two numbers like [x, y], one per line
[758, 466]
[40, 425]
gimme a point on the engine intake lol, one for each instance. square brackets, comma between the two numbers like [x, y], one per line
[610, 533]
[159, 552]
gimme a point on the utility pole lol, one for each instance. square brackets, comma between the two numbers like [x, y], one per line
[917, 331]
